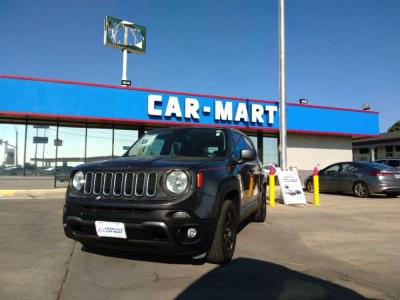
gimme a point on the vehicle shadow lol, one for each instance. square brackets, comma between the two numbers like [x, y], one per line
[246, 278]
[152, 257]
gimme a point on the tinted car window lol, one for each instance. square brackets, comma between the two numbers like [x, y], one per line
[349, 168]
[240, 143]
[377, 166]
[251, 144]
[332, 169]
[394, 163]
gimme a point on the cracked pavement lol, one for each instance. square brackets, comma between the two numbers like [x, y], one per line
[345, 249]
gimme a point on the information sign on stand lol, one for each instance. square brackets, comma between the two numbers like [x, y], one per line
[291, 189]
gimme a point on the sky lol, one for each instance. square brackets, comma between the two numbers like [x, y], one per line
[338, 52]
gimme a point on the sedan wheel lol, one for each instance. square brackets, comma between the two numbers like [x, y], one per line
[310, 186]
[360, 189]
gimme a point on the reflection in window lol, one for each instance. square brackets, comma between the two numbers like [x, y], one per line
[11, 149]
[270, 150]
[70, 152]
[40, 150]
[123, 140]
[99, 144]
[254, 140]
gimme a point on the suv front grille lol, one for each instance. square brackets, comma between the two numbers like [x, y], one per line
[119, 184]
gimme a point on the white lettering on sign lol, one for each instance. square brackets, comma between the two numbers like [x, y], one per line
[151, 103]
[223, 111]
[271, 113]
[173, 107]
[192, 108]
[257, 113]
[206, 109]
[241, 112]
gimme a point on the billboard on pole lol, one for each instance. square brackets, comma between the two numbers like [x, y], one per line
[124, 35]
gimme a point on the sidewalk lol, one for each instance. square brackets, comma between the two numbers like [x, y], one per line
[32, 193]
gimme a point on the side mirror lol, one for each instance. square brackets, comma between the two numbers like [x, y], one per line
[248, 154]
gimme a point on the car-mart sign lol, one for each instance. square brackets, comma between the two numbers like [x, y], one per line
[101, 103]
[219, 110]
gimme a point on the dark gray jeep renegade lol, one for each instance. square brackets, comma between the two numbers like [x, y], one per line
[177, 191]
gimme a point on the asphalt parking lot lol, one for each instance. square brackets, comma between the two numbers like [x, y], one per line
[348, 248]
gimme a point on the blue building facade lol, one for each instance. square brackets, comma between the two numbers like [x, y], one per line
[48, 126]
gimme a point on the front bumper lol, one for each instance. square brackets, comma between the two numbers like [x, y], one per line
[148, 230]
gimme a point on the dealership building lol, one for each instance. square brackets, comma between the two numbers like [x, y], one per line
[48, 126]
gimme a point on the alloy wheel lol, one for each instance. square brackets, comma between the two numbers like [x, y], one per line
[229, 232]
[310, 186]
[361, 189]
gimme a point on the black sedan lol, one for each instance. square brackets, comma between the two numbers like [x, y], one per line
[360, 178]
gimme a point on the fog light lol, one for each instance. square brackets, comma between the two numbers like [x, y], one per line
[181, 215]
[191, 233]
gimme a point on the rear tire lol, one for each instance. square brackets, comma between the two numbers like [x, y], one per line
[309, 186]
[361, 190]
[223, 245]
[261, 213]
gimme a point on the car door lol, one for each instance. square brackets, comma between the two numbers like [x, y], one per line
[328, 178]
[346, 177]
[246, 170]
[255, 175]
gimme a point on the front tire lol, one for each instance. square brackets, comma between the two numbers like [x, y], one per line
[361, 190]
[223, 245]
[261, 213]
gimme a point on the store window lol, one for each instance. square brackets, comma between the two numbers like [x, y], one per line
[270, 150]
[389, 151]
[40, 150]
[70, 152]
[12, 138]
[99, 144]
[123, 140]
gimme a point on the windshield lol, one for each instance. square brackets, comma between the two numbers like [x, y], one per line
[196, 142]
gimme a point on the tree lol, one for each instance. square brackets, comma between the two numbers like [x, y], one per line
[394, 127]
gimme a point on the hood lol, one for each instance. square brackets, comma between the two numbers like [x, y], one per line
[154, 162]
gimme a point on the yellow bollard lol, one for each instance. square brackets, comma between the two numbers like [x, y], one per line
[272, 186]
[316, 186]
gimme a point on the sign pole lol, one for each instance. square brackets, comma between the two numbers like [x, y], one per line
[125, 59]
[124, 65]
[282, 88]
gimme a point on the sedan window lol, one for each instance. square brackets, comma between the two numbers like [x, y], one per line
[332, 169]
[349, 168]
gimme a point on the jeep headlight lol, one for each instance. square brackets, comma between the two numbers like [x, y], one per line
[176, 182]
[78, 180]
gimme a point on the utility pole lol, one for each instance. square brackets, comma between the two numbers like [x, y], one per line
[37, 134]
[282, 88]
[16, 147]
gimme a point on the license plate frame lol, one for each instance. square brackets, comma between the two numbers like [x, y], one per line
[110, 229]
